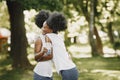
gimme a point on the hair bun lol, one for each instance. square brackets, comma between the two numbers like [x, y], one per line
[41, 17]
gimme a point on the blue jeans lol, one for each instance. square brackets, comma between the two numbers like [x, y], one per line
[38, 77]
[71, 74]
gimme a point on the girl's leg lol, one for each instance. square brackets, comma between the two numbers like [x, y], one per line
[38, 77]
[71, 74]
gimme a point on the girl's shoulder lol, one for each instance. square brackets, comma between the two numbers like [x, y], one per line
[52, 34]
[39, 38]
[47, 39]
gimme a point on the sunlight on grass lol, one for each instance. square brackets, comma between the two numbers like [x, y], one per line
[80, 52]
[90, 68]
[84, 51]
[108, 52]
[112, 73]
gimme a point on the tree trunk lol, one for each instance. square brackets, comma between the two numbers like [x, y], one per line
[18, 35]
[91, 20]
[110, 32]
[98, 42]
[91, 31]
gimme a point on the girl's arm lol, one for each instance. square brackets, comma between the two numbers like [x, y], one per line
[50, 55]
[40, 51]
[47, 57]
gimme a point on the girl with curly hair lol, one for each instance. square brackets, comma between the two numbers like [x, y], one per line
[61, 58]
[43, 69]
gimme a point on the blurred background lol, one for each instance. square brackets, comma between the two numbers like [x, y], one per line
[92, 37]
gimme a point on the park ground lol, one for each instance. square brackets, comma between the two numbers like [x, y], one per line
[97, 68]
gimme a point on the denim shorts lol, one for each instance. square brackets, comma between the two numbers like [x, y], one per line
[70, 74]
[38, 77]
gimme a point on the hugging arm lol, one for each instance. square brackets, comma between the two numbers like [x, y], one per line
[47, 57]
[50, 55]
[40, 51]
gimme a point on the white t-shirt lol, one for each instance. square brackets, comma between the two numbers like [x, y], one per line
[61, 57]
[44, 68]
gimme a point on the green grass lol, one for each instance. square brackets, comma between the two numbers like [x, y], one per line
[98, 68]
[89, 69]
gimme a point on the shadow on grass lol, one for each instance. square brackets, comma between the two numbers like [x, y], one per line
[89, 69]
[16, 74]
[98, 63]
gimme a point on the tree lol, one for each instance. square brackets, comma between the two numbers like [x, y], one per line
[18, 38]
[110, 19]
[84, 7]
[18, 33]
[106, 14]
[91, 29]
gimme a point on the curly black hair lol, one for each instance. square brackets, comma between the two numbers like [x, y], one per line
[41, 17]
[57, 22]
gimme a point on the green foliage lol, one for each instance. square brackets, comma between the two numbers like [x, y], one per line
[42, 4]
[53, 5]
[116, 45]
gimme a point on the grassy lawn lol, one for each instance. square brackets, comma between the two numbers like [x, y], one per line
[89, 69]
[98, 68]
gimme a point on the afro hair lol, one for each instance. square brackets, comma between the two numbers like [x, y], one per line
[41, 17]
[57, 22]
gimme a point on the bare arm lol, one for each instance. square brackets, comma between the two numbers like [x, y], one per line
[37, 49]
[50, 56]
[39, 52]
[47, 57]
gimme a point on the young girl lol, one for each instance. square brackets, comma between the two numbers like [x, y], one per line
[63, 63]
[43, 51]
